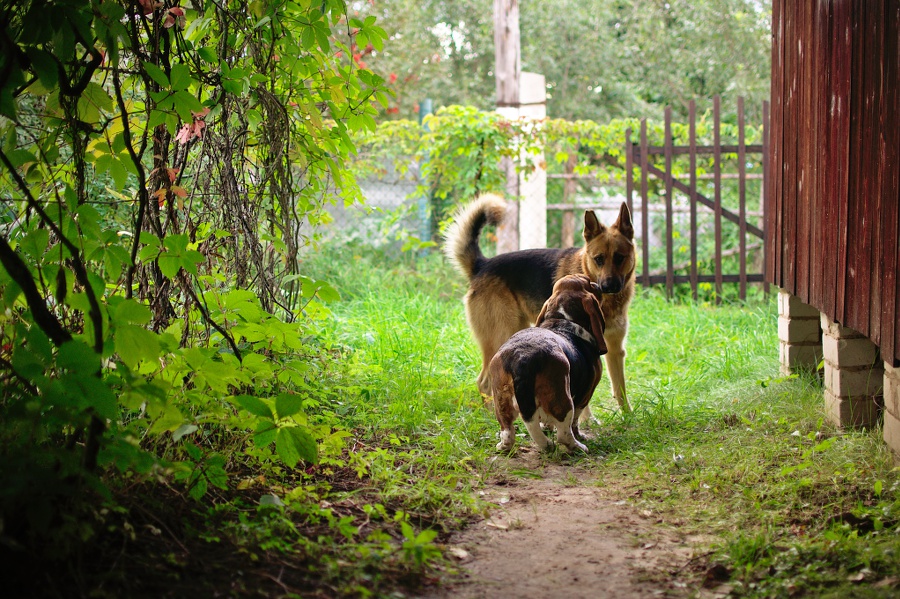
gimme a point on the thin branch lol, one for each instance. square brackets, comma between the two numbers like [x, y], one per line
[77, 265]
[19, 273]
[143, 195]
[186, 285]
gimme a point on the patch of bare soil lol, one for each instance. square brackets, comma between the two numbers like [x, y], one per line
[561, 535]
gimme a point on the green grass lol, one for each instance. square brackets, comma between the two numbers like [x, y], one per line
[718, 444]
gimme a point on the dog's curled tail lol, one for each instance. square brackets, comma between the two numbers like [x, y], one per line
[461, 238]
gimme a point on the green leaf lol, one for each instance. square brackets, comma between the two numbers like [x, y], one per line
[135, 343]
[169, 264]
[44, 66]
[156, 74]
[183, 431]
[265, 433]
[7, 103]
[254, 405]
[77, 356]
[131, 312]
[35, 243]
[208, 53]
[288, 404]
[170, 420]
[95, 394]
[294, 443]
[180, 77]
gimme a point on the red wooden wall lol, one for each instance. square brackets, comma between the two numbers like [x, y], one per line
[833, 193]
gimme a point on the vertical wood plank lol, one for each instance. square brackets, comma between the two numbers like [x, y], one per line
[742, 202]
[766, 196]
[692, 124]
[717, 180]
[825, 185]
[859, 226]
[645, 219]
[819, 152]
[805, 144]
[775, 141]
[787, 250]
[670, 242]
[841, 107]
[876, 85]
[629, 171]
[890, 310]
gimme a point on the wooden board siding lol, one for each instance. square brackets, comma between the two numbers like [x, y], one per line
[833, 228]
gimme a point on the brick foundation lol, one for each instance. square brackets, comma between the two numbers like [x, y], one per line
[799, 334]
[892, 409]
[854, 376]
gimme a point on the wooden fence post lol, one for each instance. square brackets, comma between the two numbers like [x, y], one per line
[742, 201]
[507, 70]
[717, 177]
[645, 206]
[670, 216]
[570, 186]
[693, 196]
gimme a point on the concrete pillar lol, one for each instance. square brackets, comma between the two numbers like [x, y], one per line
[533, 186]
[799, 335]
[892, 408]
[854, 376]
[530, 188]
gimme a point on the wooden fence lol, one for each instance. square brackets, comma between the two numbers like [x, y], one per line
[638, 157]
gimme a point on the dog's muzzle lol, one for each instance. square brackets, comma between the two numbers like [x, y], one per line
[611, 285]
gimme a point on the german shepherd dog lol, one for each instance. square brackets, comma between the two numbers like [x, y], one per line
[506, 292]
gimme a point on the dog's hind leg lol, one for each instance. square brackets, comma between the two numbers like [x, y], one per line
[493, 319]
[565, 434]
[505, 407]
[537, 435]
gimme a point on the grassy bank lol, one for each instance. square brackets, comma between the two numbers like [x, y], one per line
[719, 444]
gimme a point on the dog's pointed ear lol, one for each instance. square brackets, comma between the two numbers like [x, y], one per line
[623, 223]
[592, 226]
[598, 324]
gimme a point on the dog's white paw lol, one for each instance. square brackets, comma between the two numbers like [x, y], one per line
[575, 445]
[507, 440]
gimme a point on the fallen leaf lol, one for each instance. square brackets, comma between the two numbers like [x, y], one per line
[459, 553]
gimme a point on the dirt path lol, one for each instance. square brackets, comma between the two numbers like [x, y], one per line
[558, 534]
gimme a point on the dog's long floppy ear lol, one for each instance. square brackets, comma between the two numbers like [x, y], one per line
[592, 226]
[623, 223]
[543, 313]
[598, 324]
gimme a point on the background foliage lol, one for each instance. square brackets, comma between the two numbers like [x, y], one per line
[602, 59]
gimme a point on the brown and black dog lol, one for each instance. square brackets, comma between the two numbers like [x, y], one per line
[506, 292]
[547, 373]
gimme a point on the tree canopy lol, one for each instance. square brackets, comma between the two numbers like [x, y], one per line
[602, 59]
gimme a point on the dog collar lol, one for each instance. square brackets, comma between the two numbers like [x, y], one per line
[579, 331]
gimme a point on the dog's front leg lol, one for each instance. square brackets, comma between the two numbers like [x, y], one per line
[615, 367]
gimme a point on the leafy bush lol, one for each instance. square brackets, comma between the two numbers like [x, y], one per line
[162, 167]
